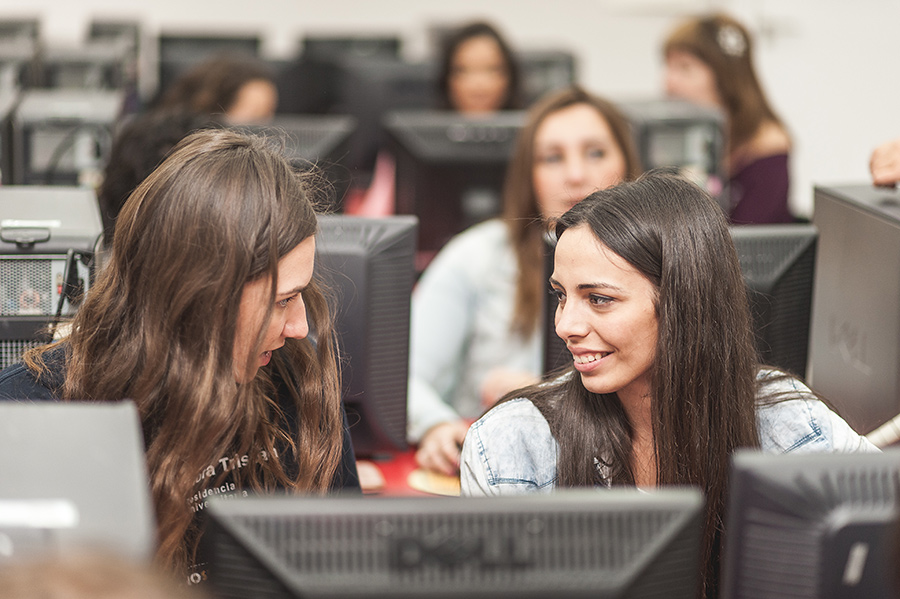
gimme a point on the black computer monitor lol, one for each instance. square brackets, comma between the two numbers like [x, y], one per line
[817, 526]
[178, 52]
[369, 88]
[324, 46]
[855, 340]
[321, 142]
[313, 82]
[576, 543]
[778, 264]
[450, 169]
[369, 263]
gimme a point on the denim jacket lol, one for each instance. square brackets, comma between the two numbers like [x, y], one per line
[511, 451]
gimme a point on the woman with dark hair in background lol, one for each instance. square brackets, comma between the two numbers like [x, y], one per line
[200, 318]
[140, 145]
[241, 88]
[709, 61]
[479, 74]
[476, 317]
[665, 381]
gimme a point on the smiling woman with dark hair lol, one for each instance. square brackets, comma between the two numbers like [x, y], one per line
[665, 382]
[476, 313]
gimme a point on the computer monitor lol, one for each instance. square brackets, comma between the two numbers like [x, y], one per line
[450, 169]
[74, 478]
[369, 263]
[315, 141]
[18, 64]
[63, 136]
[855, 340]
[180, 51]
[96, 64]
[778, 264]
[544, 71]
[573, 543]
[311, 83]
[324, 46]
[686, 136]
[369, 88]
[816, 526]
[25, 28]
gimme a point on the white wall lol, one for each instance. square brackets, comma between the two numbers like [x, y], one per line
[829, 66]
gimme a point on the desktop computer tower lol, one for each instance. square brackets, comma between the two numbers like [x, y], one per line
[854, 358]
[47, 241]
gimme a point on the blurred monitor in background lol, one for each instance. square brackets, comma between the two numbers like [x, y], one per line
[178, 52]
[686, 136]
[63, 136]
[309, 83]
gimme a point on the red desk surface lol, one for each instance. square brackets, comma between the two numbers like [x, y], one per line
[395, 467]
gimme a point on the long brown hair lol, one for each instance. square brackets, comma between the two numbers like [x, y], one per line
[521, 210]
[704, 372]
[159, 327]
[726, 47]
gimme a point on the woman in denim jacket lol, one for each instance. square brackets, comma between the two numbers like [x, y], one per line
[665, 382]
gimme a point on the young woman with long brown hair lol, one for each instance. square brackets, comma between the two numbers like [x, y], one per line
[476, 311]
[665, 381]
[200, 317]
[709, 61]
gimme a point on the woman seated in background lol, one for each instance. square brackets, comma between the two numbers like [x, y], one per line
[241, 88]
[479, 74]
[478, 77]
[665, 381]
[140, 145]
[709, 62]
[200, 317]
[476, 330]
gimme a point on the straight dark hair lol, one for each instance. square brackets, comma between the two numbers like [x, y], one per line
[704, 373]
[449, 48]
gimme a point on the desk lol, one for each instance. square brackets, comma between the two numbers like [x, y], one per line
[395, 467]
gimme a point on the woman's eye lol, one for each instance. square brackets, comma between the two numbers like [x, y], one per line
[600, 300]
[557, 295]
[597, 153]
[283, 303]
[549, 158]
